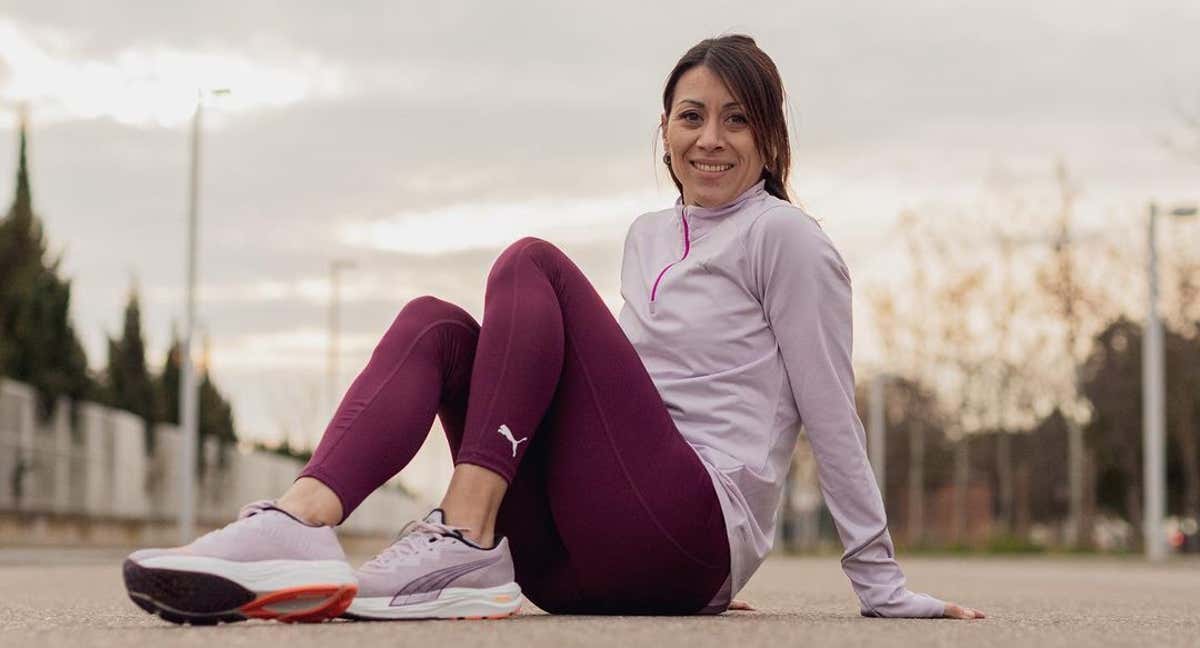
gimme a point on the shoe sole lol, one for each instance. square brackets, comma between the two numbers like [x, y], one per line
[452, 603]
[199, 598]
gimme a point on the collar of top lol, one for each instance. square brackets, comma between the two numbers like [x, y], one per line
[702, 219]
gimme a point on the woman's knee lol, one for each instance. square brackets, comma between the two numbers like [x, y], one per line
[428, 309]
[526, 241]
[434, 326]
[422, 314]
[530, 249]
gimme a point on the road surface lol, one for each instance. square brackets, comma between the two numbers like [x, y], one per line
[75, 598]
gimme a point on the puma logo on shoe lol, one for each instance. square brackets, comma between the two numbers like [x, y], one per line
[507, 434]
[429, 586]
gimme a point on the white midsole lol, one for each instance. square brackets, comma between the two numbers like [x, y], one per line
[452, 602]
[261, 575]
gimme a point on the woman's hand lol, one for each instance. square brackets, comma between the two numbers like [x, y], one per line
[956, 611]
[952, 611]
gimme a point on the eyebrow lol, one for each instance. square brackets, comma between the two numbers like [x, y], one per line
[699, 103]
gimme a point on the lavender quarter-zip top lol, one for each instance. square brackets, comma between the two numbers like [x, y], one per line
[741, 315]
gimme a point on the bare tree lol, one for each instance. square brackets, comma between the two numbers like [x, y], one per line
[1075, 306]
[967, 326]
[958, 354]
[1183, 394]
[918, 361]
[1004, 311]
[1017, 370]
[904, 329]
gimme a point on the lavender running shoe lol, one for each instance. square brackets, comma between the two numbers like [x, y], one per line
[265, 565]
[433, 572]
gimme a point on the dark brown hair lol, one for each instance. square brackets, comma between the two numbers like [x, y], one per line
[752, 78]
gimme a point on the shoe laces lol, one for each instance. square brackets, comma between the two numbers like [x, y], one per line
[249, 510]
[254, 508]
[414, 538]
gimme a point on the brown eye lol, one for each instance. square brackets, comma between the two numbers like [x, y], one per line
[690, 116]
[740, 120]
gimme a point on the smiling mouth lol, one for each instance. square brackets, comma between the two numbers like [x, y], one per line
[711, 168]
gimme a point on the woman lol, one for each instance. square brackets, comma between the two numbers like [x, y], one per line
[608, 467]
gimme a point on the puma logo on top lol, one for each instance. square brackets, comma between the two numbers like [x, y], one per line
[507, 434]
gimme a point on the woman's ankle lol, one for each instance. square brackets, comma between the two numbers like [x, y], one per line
[484, 536]
[473, 500]
[311, 501]
[479, 525]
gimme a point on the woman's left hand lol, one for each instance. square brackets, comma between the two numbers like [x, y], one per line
[956, 611]
[741, 605]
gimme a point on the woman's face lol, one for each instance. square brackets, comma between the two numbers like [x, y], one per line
[712, 147]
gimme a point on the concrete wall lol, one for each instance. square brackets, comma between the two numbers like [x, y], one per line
[100, 470]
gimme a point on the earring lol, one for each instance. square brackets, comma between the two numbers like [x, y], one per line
[667, 159]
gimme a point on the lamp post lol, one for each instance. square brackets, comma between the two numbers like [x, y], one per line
[335, 302]
[877, 436]
[1154, 399]
[188, 396]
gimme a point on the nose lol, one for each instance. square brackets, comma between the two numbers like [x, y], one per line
[711, 137]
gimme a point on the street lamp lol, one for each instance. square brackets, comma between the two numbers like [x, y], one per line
[188, 396]
[1154, 399]
[877, 431]
[335, 302]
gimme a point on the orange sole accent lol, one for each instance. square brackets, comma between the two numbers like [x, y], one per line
[493, 616]
[329, 601]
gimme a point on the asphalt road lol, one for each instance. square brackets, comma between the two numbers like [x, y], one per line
[55, 598]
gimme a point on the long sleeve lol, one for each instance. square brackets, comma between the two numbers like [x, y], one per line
[804, 288]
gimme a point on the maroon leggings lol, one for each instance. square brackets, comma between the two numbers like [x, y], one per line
[609, 510]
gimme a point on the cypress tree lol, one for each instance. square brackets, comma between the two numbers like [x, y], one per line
[22, 247]
[128, 384]
[216, 414]
[39, 341]
[167, 384]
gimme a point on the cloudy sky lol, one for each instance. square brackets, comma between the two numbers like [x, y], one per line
[418, 139]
